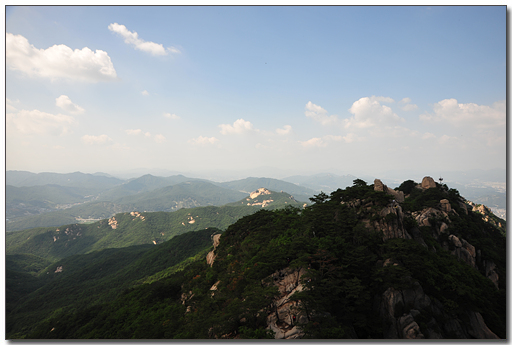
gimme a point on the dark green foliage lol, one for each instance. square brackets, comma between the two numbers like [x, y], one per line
[99, 277]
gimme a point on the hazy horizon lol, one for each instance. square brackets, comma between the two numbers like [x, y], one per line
[339, 89]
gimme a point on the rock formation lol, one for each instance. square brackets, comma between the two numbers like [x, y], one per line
[381, 187]
[404, 310]
[285, 317]
[210, 258]
[260, 191]
[428, 182]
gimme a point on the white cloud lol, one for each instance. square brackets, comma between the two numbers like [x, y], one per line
[469, 114]
[159, 138]
[65, 103]
[96, 139]
[133, 131]
[133, 39]
[38, 122]
[368, 112]
[285, 130]
[172, 116]
[313, 142]
[239, 126]
[58, 61]
[407, 106]
[319, 114]
[145, 93]
[9, 105]
[203, 141]
[324, 141]
[428, 135]
[351, 137]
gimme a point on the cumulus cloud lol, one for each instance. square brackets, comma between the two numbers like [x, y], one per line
[133, 39]
[469, 114]
[58, 61]
[145, 93]
[9, 105]
[96, 139]
[324, 141]
[313, 142]
[133, 131]
[159, 138]
[171, 116]
[406, 105]
[319, 114]
[239, 126]
[38, 122]
[65, 103]
[427, 135]
[203, 141]
[369, 112]
[285, 130]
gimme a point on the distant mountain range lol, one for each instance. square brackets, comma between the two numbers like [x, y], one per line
[67, 200]
[53, 199]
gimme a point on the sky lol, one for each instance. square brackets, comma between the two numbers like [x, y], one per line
[306, 89]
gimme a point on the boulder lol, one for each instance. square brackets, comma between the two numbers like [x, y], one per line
[381, 187]
[410, 329]
[428, 182]
[479, 329]
[445, 205]
[378, 186]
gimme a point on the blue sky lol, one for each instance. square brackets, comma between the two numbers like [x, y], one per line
[344, 89]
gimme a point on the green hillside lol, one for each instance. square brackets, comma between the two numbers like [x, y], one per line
[55, 243]
[81, 281]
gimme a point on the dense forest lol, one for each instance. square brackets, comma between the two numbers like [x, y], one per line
[360, 263]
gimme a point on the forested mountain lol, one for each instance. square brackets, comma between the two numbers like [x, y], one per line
[142, 184]
[365, 262]
[252, 183]
[90, 182]
[187, 194]
[65, 203]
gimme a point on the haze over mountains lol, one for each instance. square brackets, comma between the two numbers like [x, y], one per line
[49, 199]
[53, 199]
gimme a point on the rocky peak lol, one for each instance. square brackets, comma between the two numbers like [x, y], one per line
[258, 192]
[381, 187]
[428, 182]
